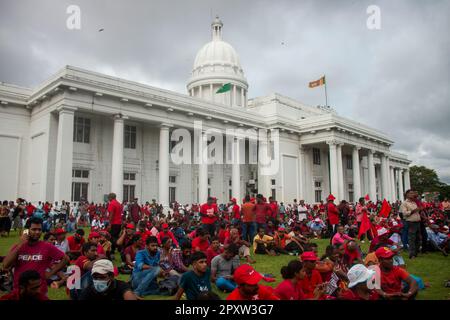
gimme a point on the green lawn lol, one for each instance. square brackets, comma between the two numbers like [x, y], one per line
[433, 268]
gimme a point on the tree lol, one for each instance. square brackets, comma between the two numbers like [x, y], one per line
[424, 179]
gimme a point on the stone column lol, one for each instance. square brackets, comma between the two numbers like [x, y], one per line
[211, 91]
[400, 184]
[356, 174]
[117, 157]
[200, 92]
[340, 168]
[302, 172]
[372, 182]
[334, 180]
[407, 180]
[393, 185]
[203, 168]
[235, 171]
[164, 165]
[234, 103]
[64, 154]
[263, 163]
[384, 177]
[242, 97]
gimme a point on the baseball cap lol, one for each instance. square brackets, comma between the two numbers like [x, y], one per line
[331, 197]
[165, 226]
[130, 226]
[246, 274]
[94, 235]
[60, 231]
[233, 200]
[102, 266]
[281, 229]
[308, 256]
[358, 274]
[384, 253]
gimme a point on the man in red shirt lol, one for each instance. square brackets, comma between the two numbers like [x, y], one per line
[29, 288]
[75, 242]
[312, 277]
[262, 210]
[33, 254]
[275, 211]
[200, 242]
[392, 277]
[165, 232]
[248, 220]
[332, 213]
[247, 280]
[235, 212]
[115, 219]
[208, 214]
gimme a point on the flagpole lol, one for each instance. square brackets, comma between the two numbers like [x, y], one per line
[326, 98]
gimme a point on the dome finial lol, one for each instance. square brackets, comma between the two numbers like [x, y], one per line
[216, 27]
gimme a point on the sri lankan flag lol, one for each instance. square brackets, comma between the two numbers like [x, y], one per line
[317, 83]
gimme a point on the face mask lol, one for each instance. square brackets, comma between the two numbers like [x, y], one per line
[100, 285]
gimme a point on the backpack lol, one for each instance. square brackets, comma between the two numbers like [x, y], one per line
[169, 286]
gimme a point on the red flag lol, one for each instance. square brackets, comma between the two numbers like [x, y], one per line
[367, 198]
[365, 225]
[385, 209]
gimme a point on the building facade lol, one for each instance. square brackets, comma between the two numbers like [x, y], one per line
[81, 134]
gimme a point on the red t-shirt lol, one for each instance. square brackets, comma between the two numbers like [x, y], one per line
[308, 284]
[115, 211]
[262, 211]
[236, 212]
[210, 254]
[39, 256]
[333, 213]
[274, 208]
[73, 245]
[350, 295]
[391, 281]
[80, 262]
[206, 209]
[264, 293]
[199, 243]
[287, 291]
[248, 212]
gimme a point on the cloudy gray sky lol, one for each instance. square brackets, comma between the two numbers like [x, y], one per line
[395, 79]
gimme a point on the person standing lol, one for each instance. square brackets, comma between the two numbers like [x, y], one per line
[248, 220]
[115, 219]
[208, 213]
[333, 214]
[411, 214]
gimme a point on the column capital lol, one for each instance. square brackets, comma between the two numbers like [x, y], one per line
[332, 142]
[165, 125]
[120, 116]
[66, 109]
[357, 148]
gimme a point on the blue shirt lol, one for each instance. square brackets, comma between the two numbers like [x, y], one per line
[437, 238]
[144, 257]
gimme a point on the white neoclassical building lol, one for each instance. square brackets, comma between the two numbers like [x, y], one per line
[82, 134]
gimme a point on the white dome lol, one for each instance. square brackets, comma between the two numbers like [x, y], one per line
[217, 52]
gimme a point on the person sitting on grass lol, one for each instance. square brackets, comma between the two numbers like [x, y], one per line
[244, 246]
[317, 226]
[104, 286]
[283, 246]
[166, 259]
[392, 278]
[130, 252]
[223, 266]
[29, 288]
[437, 240]
[359, 276]
[75, 241]
[263, 244]
[147, 269]
[381, 240]
[247, 280]
[182, 257]
[340, 237]
[214, 250]
[289, 289]
[201, 240]
[85, 262]
[312, 277]
[197, 281]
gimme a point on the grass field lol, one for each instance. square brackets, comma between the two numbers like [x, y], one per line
[433, 268]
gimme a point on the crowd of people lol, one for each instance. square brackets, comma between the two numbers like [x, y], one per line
[193, 251]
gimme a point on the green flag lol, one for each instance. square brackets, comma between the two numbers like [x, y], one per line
[226, 87]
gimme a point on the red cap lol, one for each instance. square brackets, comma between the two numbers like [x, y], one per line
[165, 226]
[246, 274]
[94, 235]
[384, 253]
[331, 197]
[281, 229]
[233, 200]
[308, 256]
[60, 231]
[130, 226]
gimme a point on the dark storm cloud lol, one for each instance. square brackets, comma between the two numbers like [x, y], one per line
[395, 79]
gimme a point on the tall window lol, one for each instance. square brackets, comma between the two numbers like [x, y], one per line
[172, 192]
[274, 194]
[172, 179]
[349, 162]
[316, 156]
[80, 185]
[128, 192]
[130, 137]
[350, 196]
[318, 195]
[273, 182]
[81, 129]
